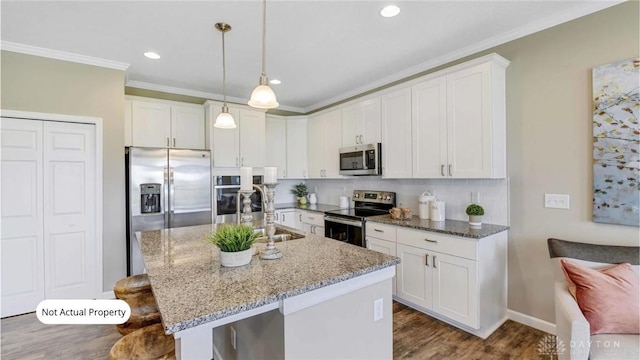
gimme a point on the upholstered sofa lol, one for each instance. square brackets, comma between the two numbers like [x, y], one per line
[572, 328]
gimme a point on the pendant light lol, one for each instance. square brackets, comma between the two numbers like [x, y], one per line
[262, 96]
[224, 120]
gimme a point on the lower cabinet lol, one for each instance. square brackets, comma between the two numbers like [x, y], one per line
[288, 217]
[385, 247]
[312, 222]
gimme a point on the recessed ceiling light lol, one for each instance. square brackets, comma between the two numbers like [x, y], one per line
[152, 55]
[275, 82]
[390, 11]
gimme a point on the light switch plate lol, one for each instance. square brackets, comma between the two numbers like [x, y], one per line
[556, 201]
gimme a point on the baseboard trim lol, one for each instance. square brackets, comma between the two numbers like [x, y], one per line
[531, 321]
[216, 353]
[108, 295]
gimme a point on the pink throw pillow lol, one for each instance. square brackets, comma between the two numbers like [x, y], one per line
[609, 298]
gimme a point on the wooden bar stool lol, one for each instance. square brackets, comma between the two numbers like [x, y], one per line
[147, 343]
[136, 291]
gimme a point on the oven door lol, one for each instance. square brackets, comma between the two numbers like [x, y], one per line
[343, 229]
[225, 199]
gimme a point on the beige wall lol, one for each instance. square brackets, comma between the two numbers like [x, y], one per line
[549, 135]
[31, 83]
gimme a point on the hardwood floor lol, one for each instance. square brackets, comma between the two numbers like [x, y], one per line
[415, 336]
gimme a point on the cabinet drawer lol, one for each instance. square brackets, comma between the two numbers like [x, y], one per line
[312, 218]
[446, 244]
[381, 231]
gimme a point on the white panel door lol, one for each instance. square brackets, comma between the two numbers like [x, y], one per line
[370, 122]
[469, 126]
[151, 124]
[429, 128]
[396, 134]
[226, 142]
[187, 127]
[22, 216]
[297, 148]
[455, 289]
[350, 126]
[414, 280]
[333, 142]
[276, 137]
[385, 247]
[316, 138]
[69, 210]
[252, 138]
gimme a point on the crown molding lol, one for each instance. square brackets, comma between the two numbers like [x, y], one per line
[62, 55]
[200, 94]
[522, 31]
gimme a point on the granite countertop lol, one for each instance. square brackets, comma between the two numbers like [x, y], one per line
[191, 287]
[321, 208]
[449, 227]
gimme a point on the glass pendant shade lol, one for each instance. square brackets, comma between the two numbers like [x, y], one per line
[225, 120]
[263, 97]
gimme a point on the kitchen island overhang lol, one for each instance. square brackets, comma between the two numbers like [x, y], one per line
[195, 294]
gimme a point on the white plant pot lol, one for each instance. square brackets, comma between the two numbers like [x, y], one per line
[475, 220]
[239, 258]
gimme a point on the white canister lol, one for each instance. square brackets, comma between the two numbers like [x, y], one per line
[437, 210]
[313, 199]
[344, 202]
[424, 205]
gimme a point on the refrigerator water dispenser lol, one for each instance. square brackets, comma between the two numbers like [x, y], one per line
[150, 198]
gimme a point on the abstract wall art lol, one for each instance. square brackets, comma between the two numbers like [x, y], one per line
[616, 143]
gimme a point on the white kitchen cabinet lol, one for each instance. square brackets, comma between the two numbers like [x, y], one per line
[286, 139]
[312, 222]
[385, 247]
[324, 141]
[128, 122]
[166, 125]
[455, 288]
[396, 134]
[415, 280]
[459, 127]
[242, 146]
[361, 123]
[287, 217]
[48, 237]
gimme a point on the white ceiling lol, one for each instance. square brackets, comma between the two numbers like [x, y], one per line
[323, 51]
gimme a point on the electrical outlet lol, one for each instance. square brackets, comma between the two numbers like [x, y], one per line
[556, 201]
[233, 337]
[378, 310]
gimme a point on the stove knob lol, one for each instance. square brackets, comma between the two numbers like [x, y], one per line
[356, 195]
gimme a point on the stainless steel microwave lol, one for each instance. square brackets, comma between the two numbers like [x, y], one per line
[361, 160]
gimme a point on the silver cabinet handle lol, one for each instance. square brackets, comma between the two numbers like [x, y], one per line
[356, 139]
[167, 142]
[242, 161]
[277, 215]
[378, 230]
[283, 217]
[442, 170]
[237, 162]
[300, 217]
[434, 262]
[426, 259]
[311, 218]
[284, 173]
[360, 139]
[431, 241]
[174, 142]
[304, 174]
[450, 170]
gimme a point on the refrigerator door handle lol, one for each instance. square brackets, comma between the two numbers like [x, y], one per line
[166, 195]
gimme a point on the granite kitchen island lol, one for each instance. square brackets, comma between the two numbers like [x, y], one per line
[321, 294]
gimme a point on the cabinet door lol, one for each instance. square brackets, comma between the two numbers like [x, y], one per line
[396, 134]
[297, 148]
[414, 280]
[288, 218]
[226, 142]
[252, 138]
[187, 127]
[276, 137]
[350, 126]
[455, 289]
[21, 235]
[429, 128]
[333, 142]
[469, 125]
[370, 123]
[69, 211]
[385, 247]
[316, 137]
[151, 125]
[128, 122]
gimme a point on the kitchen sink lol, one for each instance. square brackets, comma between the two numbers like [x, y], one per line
[279, 236]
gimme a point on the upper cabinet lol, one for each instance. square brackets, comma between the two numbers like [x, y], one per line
[449, 124]
[361, 123]
[161, 124]
[242, 146]
[324, 143]
[287, 150]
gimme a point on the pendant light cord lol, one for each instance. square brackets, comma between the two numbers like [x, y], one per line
[264, 36]
[224, 74]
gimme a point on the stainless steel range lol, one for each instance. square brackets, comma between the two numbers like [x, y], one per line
[348, 225]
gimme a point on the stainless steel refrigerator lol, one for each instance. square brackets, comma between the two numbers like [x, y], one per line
[166, 188]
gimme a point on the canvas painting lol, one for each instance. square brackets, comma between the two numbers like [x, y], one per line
[616, 143]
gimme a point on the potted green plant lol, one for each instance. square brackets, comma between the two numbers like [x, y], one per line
[301, 192]
[235, 243]
[475, 212]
